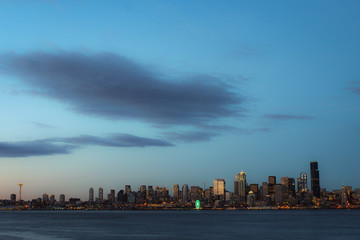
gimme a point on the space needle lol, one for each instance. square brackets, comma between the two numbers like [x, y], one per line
[20, 185]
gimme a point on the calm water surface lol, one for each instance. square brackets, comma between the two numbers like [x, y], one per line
[271, 224]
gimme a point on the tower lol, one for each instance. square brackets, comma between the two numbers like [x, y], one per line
[315, 179]
[20, 191]
[91, 195]
[101, 194]
[185, 193]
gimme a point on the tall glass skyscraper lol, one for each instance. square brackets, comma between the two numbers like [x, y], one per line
[240, 186]
[315, 180]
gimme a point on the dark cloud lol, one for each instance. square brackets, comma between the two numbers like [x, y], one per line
[33, 148]
[287, 117]
[354, 87]
[112, 86]
[189, 136]
[54, 146]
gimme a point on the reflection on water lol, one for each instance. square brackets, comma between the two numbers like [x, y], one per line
[271, 224]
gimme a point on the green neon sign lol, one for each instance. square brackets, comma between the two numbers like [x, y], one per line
[197, 204]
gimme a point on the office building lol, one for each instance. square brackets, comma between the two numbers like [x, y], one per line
[315, 179]
[176, 192]
[13, 198]
[240, 187]
[101, 194]
[302, 182]
[219, 188]
[91, 194]
[185, 193]
[62, 198]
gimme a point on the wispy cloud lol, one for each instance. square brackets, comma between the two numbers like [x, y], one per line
[53, 146]
[42, 125]
[113, 86]
[287, 117]
[115, 140]
[190, 136]
[354, 87]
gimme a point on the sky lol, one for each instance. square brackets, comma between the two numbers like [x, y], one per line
[109, 93]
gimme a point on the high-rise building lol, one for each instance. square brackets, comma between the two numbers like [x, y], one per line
[52, 198]
[278, 193]
[176, 191]
[13, 198]
[45, 197]
[315, 179]
[302, 182]
[272, 182]
[62, 198]
[127, 188]
[219, 187]
[265, 189]
[255, 189]
[112, 195]
[101, 194]
[150, 193]
[284, 181]
[240, 186]
[185, 193]
[345, 194]
[91, 195]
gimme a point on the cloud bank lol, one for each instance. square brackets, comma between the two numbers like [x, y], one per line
[53, 146]
[112, 86]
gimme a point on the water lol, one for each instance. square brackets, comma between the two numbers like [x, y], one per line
[270, 224]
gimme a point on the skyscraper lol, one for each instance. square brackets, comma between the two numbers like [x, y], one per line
[219, 187]
[272, 182]
[240, 187]
[62, 198]
[91, 195]
[185, 193]
[176, 191]
[302, 182]
[315, 179]
[101, 195]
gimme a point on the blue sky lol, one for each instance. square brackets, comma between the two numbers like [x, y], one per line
[108, 93]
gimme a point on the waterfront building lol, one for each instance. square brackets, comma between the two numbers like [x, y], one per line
[101, 194]
[91, 195]
[315, 179]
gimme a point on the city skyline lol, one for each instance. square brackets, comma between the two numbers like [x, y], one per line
[240, 188]
[182, 92]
